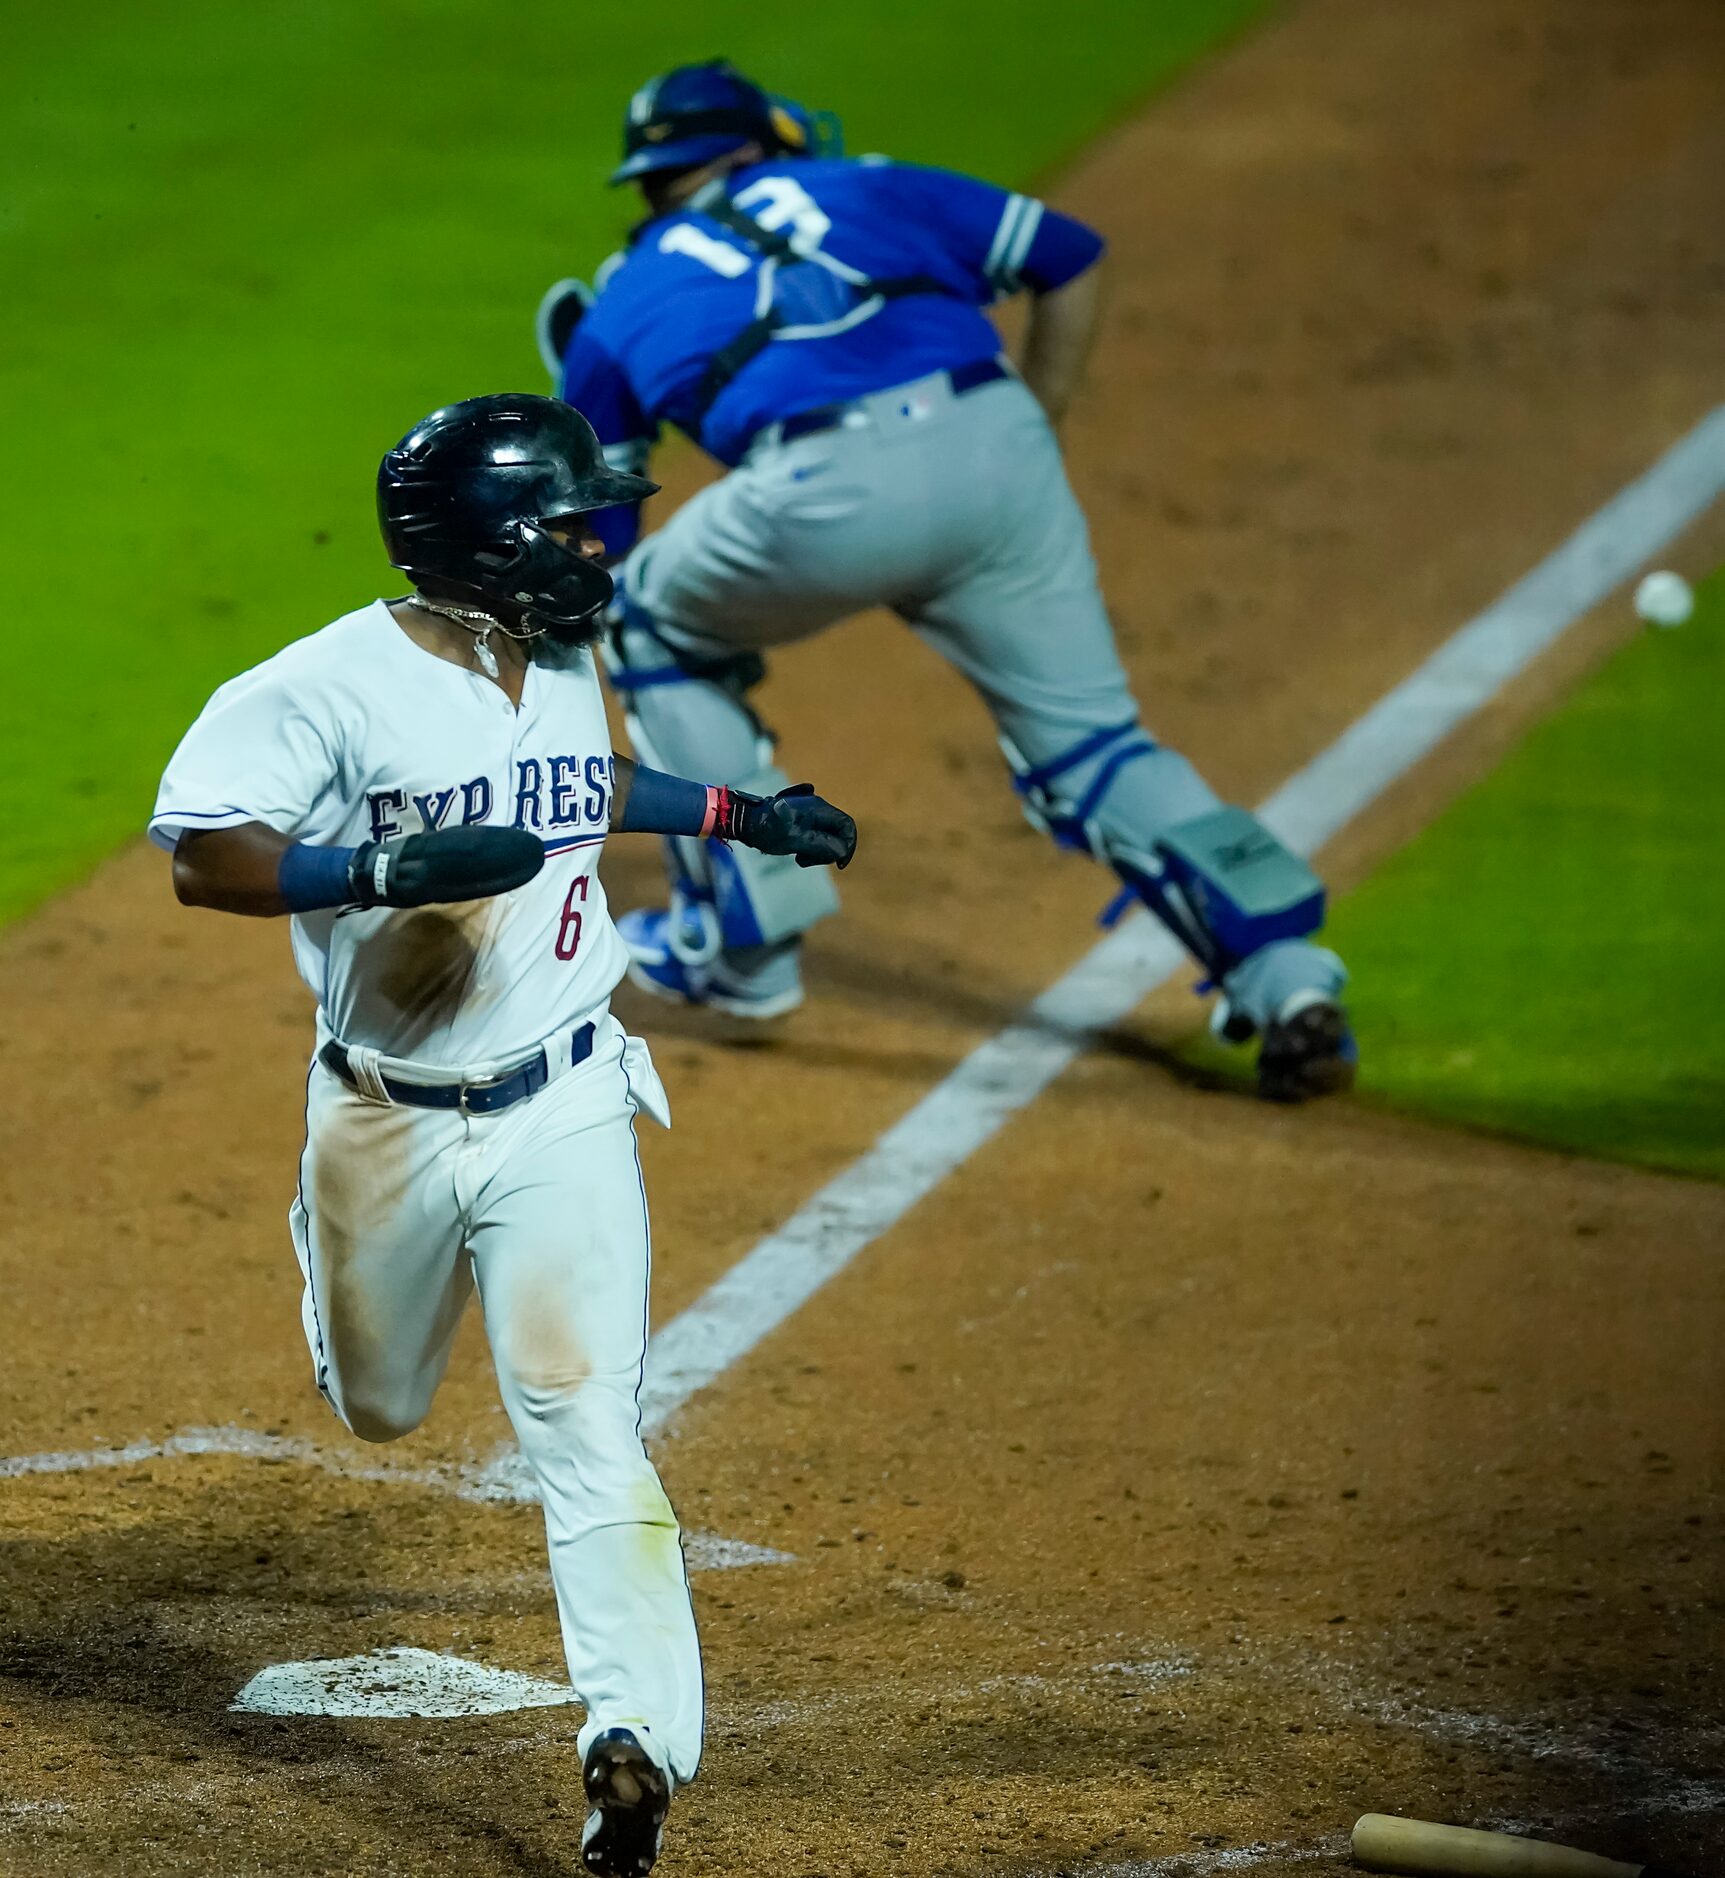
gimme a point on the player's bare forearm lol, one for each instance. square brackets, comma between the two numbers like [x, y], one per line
[1058, 341]
[234, 870]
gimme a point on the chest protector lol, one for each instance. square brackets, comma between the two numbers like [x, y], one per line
[802, 293]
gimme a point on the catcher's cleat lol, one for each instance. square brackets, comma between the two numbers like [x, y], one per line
[1307, 1051]
[630, 1794]
[656, 967]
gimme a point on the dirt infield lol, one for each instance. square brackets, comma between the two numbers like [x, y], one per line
[1184, 1477]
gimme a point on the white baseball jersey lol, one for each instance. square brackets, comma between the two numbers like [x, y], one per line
[357, 734]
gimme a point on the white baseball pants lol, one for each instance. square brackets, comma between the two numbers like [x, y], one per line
[401, 1212]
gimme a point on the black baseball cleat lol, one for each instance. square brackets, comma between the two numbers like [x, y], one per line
[1307, 1051]
[630, 1796]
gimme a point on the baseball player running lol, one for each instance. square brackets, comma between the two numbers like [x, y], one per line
[424, 787]
[816, 324]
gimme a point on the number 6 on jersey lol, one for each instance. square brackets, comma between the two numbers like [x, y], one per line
[569, 923]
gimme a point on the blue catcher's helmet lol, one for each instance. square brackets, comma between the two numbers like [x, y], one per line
[695, 113]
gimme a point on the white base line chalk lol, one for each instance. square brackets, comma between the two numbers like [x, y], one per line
[505, 1479]
[1011, 1069]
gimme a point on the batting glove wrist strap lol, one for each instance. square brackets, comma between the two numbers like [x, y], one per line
[796, 821]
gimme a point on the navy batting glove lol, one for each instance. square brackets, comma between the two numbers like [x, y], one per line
[444, 865]
[795, 821]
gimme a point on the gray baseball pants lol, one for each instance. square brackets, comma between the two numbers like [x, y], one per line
[956, 513]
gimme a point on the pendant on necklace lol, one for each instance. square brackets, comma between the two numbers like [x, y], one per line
[486, 657]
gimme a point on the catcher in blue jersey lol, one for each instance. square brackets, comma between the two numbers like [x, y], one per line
[816, 323]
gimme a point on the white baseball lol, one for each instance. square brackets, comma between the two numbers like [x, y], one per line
[1664, 599]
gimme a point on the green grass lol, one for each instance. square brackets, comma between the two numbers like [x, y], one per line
[245, 247]
[1548, 959]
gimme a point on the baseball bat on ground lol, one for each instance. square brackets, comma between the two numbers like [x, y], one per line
[1382, 1843]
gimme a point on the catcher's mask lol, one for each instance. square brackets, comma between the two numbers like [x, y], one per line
[691, 115]
[468, 498]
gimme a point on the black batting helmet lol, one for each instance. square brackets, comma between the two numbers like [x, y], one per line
[463, 501]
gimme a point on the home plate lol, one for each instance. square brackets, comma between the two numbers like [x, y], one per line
[399, 1682]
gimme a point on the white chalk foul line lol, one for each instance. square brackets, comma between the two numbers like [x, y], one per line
[505, 1479]
[1012, 1068]
[496, 1480]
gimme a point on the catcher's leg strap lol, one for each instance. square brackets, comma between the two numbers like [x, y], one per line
[638, 657]
[1068, 823]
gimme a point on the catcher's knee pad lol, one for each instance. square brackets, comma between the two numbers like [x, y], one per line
[639, 657]
[1220, 880]
[688, 716]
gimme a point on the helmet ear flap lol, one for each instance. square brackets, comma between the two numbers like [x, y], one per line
[561, 585]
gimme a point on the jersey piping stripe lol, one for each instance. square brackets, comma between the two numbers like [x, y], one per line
[165, 828]
[568, 847]
[1019, 250]
[320, 1356]
[646, 1224]
[1003, 233]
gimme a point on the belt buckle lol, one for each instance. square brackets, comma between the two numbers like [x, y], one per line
[503, 1076]
[463, 1107]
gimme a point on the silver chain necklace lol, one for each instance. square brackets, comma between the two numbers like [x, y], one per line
[481, 625]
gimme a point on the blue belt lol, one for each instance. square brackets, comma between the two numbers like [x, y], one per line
[485, 1097]
[961, 379]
